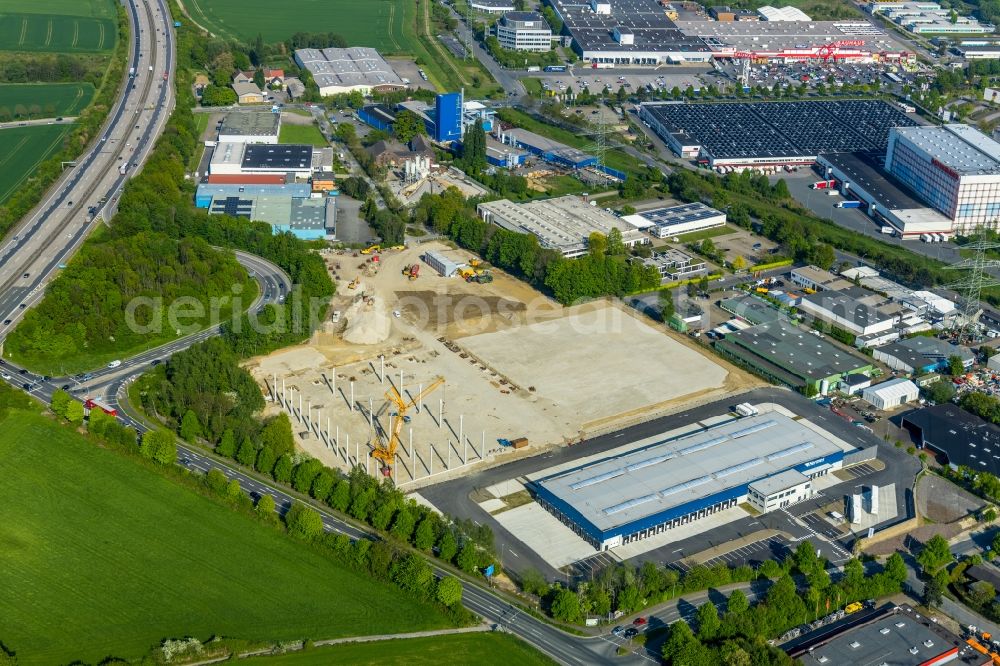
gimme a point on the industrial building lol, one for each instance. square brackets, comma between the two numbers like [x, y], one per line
[305, 218]
[503, 155]
[627, 32]
[792, 356]
[676, 220]
[953, 168]
[769, 13]
[446, 121]
[886, 200]
[891, 394]
[673, 264]
[524, 31]
[262, 159]
[206, 192]
[563, 224]
[773, 134]
[920, 355]
[492, 6]
[750, 309]
[337, 70]
[546, 149]
[853, 309]
[671, 481]
[250, 127]
[963, 438]
[791, 41]
[924, 18]
[817, 279]
[895, 635]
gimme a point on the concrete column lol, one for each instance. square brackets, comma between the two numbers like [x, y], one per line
[461, 427]
[333, 384]
[432, 461]
[382, 373]
[440, 413]
[411, 445]
[420, 403]
[352, 397]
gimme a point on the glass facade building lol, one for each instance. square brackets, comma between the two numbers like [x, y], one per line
[955, 169]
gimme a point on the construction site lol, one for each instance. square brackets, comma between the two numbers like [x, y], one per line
[432, 363]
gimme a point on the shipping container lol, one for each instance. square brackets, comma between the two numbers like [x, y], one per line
[519, 443]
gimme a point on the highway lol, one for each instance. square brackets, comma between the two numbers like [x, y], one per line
[87, 193]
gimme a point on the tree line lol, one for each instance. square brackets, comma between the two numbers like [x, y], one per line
[605, 270]
[800, 233]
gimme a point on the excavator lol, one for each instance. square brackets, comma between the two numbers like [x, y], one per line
[373, 248]
[385, 445]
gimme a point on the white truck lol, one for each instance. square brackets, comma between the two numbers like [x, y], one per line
[888, 230]
[746, 409]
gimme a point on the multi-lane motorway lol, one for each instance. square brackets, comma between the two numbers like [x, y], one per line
[87, 193]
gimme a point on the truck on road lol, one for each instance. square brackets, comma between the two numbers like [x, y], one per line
[90, 404]
[848, 204]
[824, 184]
[886, 229]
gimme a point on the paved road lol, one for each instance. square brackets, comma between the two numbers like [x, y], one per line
[46, 238]
[452, 497]
[62, 120]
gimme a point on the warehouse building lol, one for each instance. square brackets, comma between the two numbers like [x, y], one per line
[789, 355]
[852, 309]
[308, 219]
[817, 279]
[563, 224]
[502, 155]
[677, 220]
[963, 438]
[262, 159]
[250, 127]
[627, 32]
[891, 394]
[920, 355]
[895, 635]
[492, 6]
[887, 201]
[773, 134]
[928, 18]
[953, 168]
[524, 31]
[337, 70]
[672, 481]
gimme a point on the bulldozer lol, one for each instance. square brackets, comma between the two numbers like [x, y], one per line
[354, 283]
[412, 271]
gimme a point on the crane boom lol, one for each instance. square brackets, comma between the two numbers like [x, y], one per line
[385, 447]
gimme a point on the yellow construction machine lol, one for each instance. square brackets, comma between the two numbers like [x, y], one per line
[386, 444]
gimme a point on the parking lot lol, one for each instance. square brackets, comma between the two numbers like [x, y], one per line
[595, 80]
[821, 526]
[773, 548]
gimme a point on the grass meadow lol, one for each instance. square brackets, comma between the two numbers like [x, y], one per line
[43, 100]
[22, 149]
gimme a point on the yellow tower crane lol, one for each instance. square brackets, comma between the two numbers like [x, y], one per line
[385, 445]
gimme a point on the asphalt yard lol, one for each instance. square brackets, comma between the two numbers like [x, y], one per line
[773, 548]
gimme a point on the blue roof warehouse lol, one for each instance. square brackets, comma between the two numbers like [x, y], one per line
[767, 460]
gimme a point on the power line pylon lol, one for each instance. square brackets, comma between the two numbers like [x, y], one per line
[976, 278]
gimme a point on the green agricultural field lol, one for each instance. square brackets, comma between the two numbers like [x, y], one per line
[43, 100]
[86, 8]
[376, 23]
[477, 648]
[102, 556]
[22, 149]
[302, 134]
[56, 34]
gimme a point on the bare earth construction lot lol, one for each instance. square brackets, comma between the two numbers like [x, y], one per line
[514, 364]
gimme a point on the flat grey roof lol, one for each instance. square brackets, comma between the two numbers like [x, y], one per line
[866, 170]
[796, 351]
[781, 481]
[888, 636]
[848, 304]
[959, 147]
[354, 66]
[651, 29]
[668, 473]
[754, 310]
[251, 123]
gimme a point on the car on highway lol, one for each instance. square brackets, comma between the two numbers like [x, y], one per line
[631, 632]
[639, 621]
[617, 631]
[22, 371]
[26, 387]
[114, 364]
[26, 275]
[65, 387]
[156, 361]
[6, 322]
[5, 377]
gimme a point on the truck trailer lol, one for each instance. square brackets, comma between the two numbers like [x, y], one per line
[848, 204]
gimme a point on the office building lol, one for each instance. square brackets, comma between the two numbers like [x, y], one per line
[953, 168]
[524, 31]
[673, 265]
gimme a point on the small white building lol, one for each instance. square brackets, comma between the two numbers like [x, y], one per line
[891, 394]
[780, 490]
